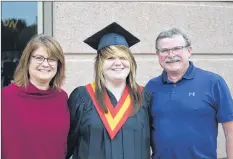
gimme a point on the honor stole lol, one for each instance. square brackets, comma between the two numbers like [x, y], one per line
[116, 116]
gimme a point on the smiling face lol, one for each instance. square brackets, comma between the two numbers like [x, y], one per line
[42, 70]
[116, 69]
[173, 54]
[116, 65]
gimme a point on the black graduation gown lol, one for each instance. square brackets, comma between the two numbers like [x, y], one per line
[88, 138]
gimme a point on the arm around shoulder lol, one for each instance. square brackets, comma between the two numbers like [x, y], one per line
[149, 100]
[75, 104]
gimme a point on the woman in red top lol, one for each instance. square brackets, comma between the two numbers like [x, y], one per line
[35, 116]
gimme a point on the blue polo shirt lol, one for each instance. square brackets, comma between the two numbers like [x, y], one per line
[185, 115]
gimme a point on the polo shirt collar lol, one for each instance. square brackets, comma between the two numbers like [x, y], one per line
[189, 74]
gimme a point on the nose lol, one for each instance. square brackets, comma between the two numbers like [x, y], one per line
[45, 63]
[117, 61]
[171, 53]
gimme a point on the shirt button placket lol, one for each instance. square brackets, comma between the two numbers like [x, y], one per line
[173, 93]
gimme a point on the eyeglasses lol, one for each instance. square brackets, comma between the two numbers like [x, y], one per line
[40, 59]
[165, 51]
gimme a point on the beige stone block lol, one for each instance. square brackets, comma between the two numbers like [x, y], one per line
[79, 71]
[209, 25]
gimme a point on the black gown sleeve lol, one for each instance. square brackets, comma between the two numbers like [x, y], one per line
[76, 104]
[148, 102]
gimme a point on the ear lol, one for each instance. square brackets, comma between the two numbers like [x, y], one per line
[190, 51]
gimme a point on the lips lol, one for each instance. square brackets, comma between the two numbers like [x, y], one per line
[172, 61]
[41, 70]
[117, 69]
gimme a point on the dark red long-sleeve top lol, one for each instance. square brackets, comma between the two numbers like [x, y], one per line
[35, 123]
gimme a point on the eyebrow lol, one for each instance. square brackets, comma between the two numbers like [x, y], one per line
[41, 55]
[171, 47]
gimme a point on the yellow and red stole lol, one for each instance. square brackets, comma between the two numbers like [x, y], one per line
[116, 116]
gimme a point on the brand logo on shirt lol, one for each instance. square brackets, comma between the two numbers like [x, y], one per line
[191, 94]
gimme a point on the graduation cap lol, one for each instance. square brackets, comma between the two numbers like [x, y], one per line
[113, 34]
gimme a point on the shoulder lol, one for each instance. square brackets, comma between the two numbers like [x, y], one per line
[78, 99]
[8, 93]
[211, 77]
[155, 79]
[78, 92]
[62, 93]
[147, 97]
[10, 90]
[146, 93]
[154, 82]
[209, 74]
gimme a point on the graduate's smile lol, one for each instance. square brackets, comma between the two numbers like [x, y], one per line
[115, 68]
[118, 69]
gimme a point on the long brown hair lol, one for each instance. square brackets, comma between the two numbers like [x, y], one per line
[21, 75]
[134, 90]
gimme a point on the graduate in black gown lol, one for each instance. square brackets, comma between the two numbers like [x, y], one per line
[109, 116]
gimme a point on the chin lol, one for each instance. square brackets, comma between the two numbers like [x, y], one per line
[117, 80]
[172, 67]
[45, 79]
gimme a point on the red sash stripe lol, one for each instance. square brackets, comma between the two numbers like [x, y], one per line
[116, 116]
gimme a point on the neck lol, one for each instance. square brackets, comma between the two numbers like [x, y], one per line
[176, 76]
[116, 88]
[40, 85]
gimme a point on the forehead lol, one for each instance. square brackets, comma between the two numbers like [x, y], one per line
[115, 52]
[170, 42]
[42, 51]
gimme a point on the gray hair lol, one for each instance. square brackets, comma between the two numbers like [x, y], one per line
[170, 33]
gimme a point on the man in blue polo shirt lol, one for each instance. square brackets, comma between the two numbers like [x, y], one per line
[188, 104]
